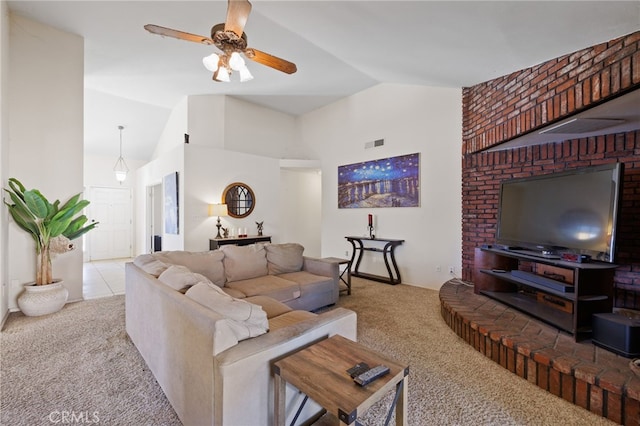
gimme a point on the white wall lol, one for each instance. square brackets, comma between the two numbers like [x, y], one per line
[45, 136]
[4, 143]
[208, 171]
[204, 174]
[258, 130]
[220, 130]
[173, 134]
[301, 206]
[410, 119]
[205, 120]
[301, 209]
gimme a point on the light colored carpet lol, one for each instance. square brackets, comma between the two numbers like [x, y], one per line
[77, 362]
[450, 383]
[81, 362]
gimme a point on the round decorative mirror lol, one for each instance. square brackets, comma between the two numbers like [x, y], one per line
[239, 199]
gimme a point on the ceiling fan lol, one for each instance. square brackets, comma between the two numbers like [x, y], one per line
[230, 38]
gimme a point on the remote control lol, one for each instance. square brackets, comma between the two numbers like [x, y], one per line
[371, 375]
[358, 369]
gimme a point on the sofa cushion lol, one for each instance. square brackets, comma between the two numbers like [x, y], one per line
[244, 262]
[150, 264]
[284, 258]
[271, 306]
[308, 282]
[180, 278]
[207, 263]
[268, 285]
[289, 318]
[234, 292]
[245, 319]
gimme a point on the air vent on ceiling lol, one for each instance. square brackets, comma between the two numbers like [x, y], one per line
[582, 125]
[374, 144]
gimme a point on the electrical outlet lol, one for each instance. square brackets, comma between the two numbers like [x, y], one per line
[438, 268]
[452, 270]
[346, 253]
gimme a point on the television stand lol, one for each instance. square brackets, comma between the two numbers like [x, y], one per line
[562, 294]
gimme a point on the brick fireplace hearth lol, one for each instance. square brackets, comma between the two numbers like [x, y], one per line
[579, 372]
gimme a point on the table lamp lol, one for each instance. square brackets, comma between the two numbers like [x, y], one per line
[218, 210]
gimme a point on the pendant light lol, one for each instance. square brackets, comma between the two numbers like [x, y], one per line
[120, 169]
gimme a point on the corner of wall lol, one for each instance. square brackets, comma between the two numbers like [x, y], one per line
[4, 142]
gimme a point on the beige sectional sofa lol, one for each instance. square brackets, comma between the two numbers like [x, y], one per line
[209, 325]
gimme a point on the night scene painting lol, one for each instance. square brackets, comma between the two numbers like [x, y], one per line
[389, 182]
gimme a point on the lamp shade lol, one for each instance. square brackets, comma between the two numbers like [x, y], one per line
[218, 210]
[211, 62]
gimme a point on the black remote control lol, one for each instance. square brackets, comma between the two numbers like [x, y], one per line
[358, 369]
[371, 375]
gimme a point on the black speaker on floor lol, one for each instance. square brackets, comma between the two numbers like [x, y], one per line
[617, 333]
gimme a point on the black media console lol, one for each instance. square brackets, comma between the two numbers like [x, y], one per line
[563, 294]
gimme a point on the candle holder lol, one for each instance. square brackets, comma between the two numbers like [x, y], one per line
[372, 233]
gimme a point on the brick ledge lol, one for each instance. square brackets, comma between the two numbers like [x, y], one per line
[579, 372]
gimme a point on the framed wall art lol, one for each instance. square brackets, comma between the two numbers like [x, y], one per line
[388, 182]
[171, 212]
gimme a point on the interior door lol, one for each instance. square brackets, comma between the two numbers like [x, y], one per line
[111, 239]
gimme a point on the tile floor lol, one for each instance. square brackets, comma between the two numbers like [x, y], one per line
[103, 278]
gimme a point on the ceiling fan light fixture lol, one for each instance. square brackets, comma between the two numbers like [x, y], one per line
[236, 62]
[211, 62]
[222, 74]
[245, 74]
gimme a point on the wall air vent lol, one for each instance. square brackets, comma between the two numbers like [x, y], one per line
[374, 144]
[582, 125]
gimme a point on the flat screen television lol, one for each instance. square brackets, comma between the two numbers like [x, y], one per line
[574, 211]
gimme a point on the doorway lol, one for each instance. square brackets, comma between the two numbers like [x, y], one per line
[153, 235]
[111, 239]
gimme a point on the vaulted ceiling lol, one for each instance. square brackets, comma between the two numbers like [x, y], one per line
[133, 78]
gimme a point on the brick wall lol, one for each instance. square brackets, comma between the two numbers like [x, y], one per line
[501, 109]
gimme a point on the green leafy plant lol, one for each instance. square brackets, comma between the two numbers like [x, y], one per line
[48, 224]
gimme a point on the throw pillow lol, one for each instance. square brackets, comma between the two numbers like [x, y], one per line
[284, 258]
[180, 278]
[150, 264]
[207, 263]
[245, 319]
[244, 262]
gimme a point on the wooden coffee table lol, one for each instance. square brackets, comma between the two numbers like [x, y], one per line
[320, 372]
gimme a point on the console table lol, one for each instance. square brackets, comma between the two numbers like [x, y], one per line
[387, 251]
[215, 243]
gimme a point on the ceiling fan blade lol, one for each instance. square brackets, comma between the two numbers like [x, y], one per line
[237, 15]
[270, 61]
[168, 32]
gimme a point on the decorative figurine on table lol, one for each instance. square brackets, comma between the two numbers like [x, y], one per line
[260, 225]
[225, 232]
[372, 233]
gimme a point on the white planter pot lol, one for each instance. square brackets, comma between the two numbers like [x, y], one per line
[39, 300]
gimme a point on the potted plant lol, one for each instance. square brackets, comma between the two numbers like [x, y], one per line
[52, 227]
